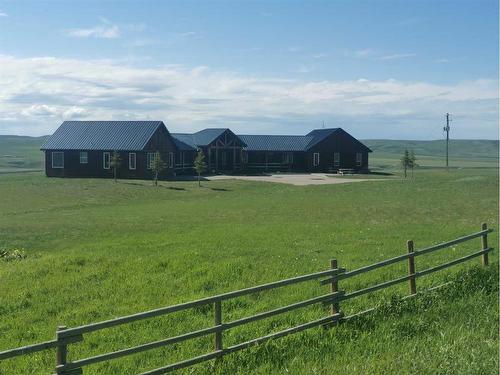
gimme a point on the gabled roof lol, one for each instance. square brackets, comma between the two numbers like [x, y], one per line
[203, 138]
[184, 142]
[318, 135]
[206, 136]
[102, 135]
[276, 142]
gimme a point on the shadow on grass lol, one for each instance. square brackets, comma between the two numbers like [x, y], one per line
[219, 189]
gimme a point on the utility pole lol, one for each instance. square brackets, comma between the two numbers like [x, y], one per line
[447, 130]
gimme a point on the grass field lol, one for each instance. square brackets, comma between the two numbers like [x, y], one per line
[21, 153]
[96, 250]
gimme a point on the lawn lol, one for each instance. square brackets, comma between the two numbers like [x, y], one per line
[96, 250]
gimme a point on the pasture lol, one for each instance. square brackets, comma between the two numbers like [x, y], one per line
[94, 250]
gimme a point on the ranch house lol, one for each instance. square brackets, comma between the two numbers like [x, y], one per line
[85, 149]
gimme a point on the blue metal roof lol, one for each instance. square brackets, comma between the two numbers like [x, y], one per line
[206, 136]
[276, 142]
[184, 142]
[102, 135]
[319, 134]
[202, 138]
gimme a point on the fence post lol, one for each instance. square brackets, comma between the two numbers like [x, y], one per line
[218, 322]
[484, 243]
[62, 350]
[334, 288]
[411, 267]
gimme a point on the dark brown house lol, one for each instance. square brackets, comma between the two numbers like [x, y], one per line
[85, 148]
[321, 150]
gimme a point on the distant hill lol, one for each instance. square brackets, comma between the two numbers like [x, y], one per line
[459, 148]
[19, 153]
[463, 152]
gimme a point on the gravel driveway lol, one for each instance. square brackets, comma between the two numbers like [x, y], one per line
[294, 179]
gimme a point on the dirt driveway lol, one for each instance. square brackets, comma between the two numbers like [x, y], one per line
[295, 179]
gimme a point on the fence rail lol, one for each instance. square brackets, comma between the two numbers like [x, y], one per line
[66, 336]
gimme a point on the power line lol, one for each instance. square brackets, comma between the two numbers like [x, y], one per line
[447, 130]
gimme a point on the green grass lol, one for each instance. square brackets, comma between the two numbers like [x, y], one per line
[20, 153]
[96, 250]
[431, 154]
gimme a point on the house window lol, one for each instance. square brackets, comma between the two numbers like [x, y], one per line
[359, 159]
[150, 159]
[224, 157]
[336, 159]
[132, 160]
[288, 158]
[170, 159]
[84, 157]
[244, 156]
[58, 160]
[316, 159]
[106, 160]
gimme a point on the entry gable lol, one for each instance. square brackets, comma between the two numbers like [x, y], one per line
[217, 137]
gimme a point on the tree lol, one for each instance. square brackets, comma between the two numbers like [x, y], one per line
[156, 165]
[199, 165]
[406, 161]
[115, 163]
[413, 161]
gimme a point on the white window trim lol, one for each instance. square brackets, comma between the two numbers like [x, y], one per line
[52, 159]
[104, 160]
[150, 156]
[86, 159]
[171, 159]
[288, 158]
[315, 156]
[336, 159]
[359, 159]
[130, 161]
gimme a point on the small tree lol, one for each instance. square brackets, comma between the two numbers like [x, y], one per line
[199, 165]
[413, 161]
[156, 165]
[405, 161]
[115, 163]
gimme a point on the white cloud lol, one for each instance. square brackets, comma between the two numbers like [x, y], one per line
[39, 93]
[442, 61]
[106, 30]
[3, 14]
[187, 34]
[397, 56]
[361, 53]
[320, 55]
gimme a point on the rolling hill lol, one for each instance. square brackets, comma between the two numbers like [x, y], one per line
[21, 153]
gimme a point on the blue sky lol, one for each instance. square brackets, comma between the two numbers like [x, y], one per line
[379, 69]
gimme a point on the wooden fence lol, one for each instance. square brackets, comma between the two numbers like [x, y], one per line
[66, 336]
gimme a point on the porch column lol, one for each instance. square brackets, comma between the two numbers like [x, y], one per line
[216, 157]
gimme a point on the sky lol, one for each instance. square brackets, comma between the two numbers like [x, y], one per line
[378, 69]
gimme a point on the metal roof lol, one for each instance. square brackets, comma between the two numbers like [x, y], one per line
[276, 142]
[319, 134]
[102, 135]
[206, 136]
[184, 142]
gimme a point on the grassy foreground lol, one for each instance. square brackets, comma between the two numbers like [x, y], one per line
[96, 250]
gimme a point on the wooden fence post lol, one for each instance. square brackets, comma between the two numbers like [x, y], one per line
[218, 322]
[484, 243]
[411, 267]
[334, 288]
[61, 351]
